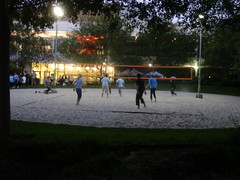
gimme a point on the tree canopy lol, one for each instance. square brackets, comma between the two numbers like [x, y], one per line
[38, 13]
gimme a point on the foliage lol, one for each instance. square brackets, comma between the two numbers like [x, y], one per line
[222, 48]
[26, 47]
[169, 44]
[224, 13]
[151, 16]
[110, 34]
[221, 51]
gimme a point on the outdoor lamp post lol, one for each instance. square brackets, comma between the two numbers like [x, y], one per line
[58, 12]
[199, 95]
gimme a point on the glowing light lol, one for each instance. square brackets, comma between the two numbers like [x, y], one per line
[150, 65]
[94, 68]
[87, 68]
[61, 67]
[195, 66]
[110, 69]
[77, 68]
[70, 68]
[200, 16]
[58, 11]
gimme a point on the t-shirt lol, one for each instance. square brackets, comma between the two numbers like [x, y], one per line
[140, 85]
[15, 77]
[34, 75]
[24, 79]
[105, 81]
[11, 79]
[120, 82]
[79, 83]
[152, 82]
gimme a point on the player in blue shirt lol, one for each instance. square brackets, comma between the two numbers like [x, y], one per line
[120, 84]
[152, 82]
[78, 87]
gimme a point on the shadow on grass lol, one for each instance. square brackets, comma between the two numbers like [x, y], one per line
[91, 160]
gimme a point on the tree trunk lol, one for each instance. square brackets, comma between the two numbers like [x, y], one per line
[4, 71]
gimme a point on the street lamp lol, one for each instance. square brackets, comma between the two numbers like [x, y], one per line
[199, 95]
[58, 12]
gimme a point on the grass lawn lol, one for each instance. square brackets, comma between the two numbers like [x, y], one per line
[47, 151]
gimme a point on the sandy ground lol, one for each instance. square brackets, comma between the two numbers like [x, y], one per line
[181, 111]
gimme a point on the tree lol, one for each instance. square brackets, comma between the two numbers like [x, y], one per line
[222, 51]
[4, 69]
[25, 47]
[98, 37]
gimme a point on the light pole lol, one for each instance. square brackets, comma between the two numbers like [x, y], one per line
[58, 13]
[199, 95]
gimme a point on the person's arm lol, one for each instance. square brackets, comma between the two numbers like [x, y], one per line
[74, 83]
[147, 85]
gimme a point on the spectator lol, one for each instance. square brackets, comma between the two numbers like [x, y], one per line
[33, 77]
[11, 80]
[47, 84]
[15, 79]
[24, 80]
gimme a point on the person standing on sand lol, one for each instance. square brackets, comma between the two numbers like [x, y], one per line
[78, 87]
[120, 85]
[33, 77]
[105, 83]
[152, 82]
[140, 87]
[172, 87]
[47, 84]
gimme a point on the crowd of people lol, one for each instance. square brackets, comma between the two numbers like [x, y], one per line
[22, 79]
[25, 79]
[64, 80]
[139, 85]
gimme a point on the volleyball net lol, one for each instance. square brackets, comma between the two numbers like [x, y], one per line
[158, 72]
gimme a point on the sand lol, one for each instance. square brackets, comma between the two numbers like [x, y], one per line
[183, 111]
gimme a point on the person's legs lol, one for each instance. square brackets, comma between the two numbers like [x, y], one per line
[15, 83]
[137, 99]
[151, 93]
[103, 89]
[154, 93]
[48, 89]
[140, 98]
[143, 102]
[79, 95]
[120, 91]
[172, 91]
